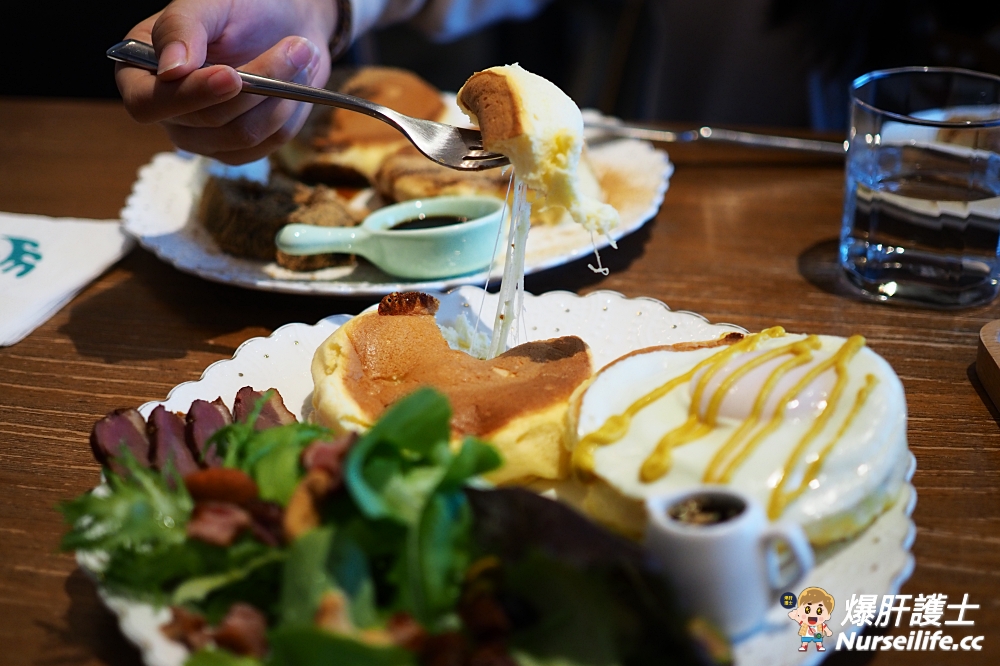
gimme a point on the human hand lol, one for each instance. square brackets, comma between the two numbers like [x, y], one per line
[202, 109]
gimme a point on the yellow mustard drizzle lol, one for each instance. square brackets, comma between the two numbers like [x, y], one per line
[617, 425]
[781, 499]
[839, 362]
[717, 470]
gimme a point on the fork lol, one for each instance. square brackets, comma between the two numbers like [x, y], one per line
[454, 147]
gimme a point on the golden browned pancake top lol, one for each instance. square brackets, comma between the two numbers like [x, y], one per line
[396, 354]
[397, 89]
[489, 96]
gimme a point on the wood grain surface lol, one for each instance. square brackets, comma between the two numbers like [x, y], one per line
[744, 236]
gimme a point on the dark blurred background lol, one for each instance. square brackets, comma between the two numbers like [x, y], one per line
[728, 62]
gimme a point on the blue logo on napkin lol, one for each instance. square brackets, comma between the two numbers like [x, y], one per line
[23, 256]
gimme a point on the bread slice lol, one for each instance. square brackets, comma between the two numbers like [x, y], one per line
[244, 216]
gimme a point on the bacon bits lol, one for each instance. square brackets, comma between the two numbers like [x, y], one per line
[274, 412]
[302, 511]
[406, 632]
[217, 523]
[329, 457]
[407, 303]
[268, 522]
[243, 631]
[221, 484]
[333, 613]
[188, 628]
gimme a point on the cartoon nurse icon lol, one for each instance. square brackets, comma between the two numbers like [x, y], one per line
[814, 609]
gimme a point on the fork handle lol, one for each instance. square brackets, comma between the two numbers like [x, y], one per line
[715, 134]
[143, 55]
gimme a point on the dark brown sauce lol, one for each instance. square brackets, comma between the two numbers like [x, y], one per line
[707, 509]
[428, 222]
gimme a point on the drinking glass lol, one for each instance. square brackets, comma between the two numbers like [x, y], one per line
[922, 206]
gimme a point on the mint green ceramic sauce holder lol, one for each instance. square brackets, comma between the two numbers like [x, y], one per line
[418, 254]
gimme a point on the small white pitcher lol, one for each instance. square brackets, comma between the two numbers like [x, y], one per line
[729, 571]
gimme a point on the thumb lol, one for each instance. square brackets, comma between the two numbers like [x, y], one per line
[181, 35]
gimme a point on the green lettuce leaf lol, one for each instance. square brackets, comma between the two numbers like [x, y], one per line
[305, 578]
[207, 570]
[404, 470]
[309, 646]
[142, 509]
[198, 588]
[395, 466]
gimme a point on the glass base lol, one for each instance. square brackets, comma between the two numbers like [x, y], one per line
[887, 290]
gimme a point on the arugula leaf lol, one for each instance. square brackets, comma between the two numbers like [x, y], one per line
[272, 458]
[404, 470]
[142, 509]
[305, 579]
[197, 588]
[436, 557]
[412, 433]
[308, 646]
[476, 457]
[324, 559]
[348, 564]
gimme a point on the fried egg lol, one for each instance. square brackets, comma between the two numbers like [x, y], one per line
[813, 426]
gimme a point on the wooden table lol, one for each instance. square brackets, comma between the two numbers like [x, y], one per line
[744, 236]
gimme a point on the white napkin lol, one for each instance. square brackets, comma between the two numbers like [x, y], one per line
[45, 261]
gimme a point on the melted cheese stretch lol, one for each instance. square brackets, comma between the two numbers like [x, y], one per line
[510, 304]
[749, 435]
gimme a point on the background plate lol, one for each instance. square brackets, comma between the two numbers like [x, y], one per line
[161, 214]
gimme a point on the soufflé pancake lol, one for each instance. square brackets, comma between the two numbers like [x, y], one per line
[536, 125]
[517, 401]
[813, 426]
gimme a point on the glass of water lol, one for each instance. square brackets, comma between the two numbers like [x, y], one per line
[922, 208]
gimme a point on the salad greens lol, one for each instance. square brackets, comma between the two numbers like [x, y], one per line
[406, 557]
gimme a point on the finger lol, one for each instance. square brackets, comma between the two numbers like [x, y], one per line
[148, 99]
[292, 59]
[247, 131]
[206, 141]
[181, 35]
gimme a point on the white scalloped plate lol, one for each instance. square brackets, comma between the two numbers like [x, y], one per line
[161, 214]
[877, 562]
